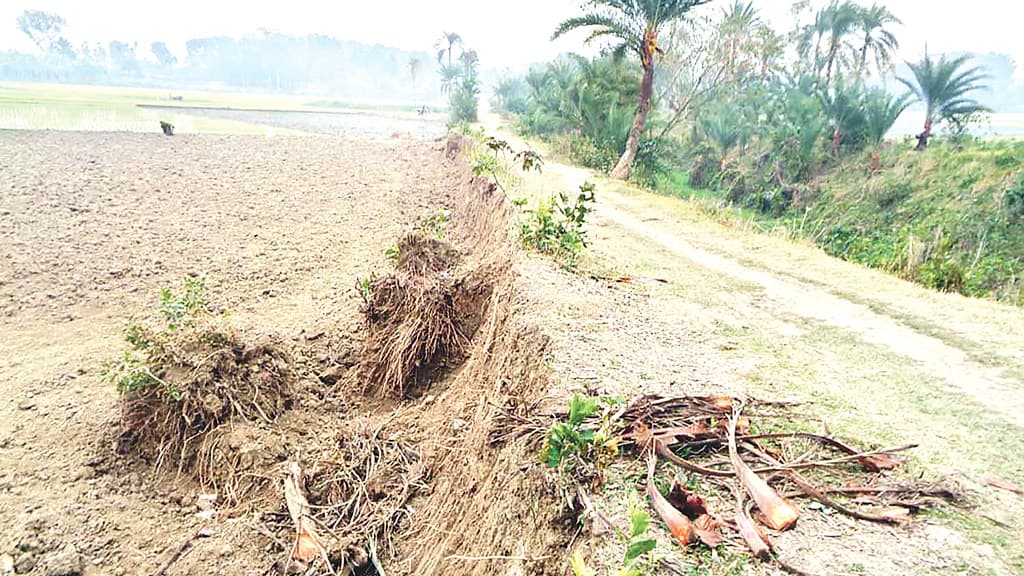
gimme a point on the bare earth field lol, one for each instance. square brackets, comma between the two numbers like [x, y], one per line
[93, 224]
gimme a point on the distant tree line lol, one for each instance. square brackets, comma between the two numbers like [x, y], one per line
[265, 61]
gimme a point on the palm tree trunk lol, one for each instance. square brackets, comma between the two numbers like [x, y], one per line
[831, 60]
[863, 57]
[922, 138]
[625, 164]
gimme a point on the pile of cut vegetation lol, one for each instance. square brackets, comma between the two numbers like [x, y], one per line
[732, 466]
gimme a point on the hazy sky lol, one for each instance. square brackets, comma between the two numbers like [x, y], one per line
[506, 34]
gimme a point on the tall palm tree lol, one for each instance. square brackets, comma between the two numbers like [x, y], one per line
[943, 85]
[841, 21]
[445, 45]
[414, 66]
[877, 39]
[740, 23]
[635, 26]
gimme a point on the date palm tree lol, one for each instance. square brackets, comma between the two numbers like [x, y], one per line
[878, 40]
[881, 110]
[943, 86]
[829, 36]
[634, 25]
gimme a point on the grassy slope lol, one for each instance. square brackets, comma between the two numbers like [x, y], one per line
[940, 217]
[943, 218]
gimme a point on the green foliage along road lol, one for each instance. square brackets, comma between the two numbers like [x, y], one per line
[794, 128]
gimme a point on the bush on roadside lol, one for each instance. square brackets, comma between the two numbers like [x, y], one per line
[556, 226]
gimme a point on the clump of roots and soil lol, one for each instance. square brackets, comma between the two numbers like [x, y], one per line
[421, 316]
[346, 508]
[195, 391]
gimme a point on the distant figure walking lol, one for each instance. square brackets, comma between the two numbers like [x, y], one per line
[422, 110]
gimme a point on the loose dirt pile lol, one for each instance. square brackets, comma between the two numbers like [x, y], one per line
[200, 380]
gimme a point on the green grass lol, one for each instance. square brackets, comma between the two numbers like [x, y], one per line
[27, 106]
[939, 218]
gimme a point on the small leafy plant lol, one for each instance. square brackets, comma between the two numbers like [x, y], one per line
[576, 447]
[556, 226]
[529, 161]
[133, 372]
[179, 308]
[638, 546]
[436, 224]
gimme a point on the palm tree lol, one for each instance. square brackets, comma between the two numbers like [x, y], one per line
[445, 45]
[741, 22]
[450, 76]
[635, 26]
[414, 66]
[881, 110]
[877, 39]
[469, 61]
[830, 34]
[840, 21]
[942, 85]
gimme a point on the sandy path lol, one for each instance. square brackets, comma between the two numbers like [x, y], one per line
[934, 357]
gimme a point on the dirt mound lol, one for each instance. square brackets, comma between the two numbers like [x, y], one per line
[194, 382]
[490, 509]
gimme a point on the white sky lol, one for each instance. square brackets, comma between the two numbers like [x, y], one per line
[505, 34]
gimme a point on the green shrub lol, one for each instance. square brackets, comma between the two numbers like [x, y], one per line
[1013, 199]
[464, 101]
[943, 274]
[578, 446]
[556, 225]
[894, 193]
[655, 159]
[132, 373]
[584, 151]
